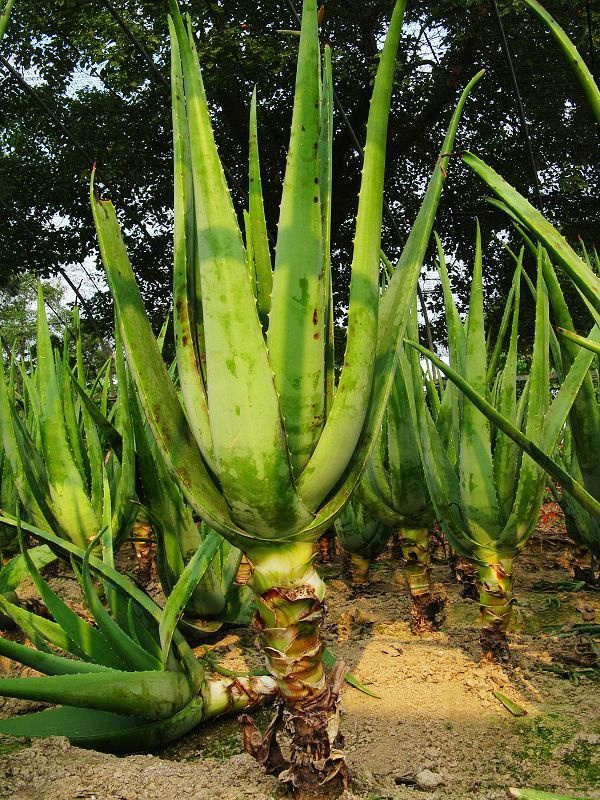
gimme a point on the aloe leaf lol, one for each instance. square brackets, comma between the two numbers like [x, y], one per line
[581, 341]
[185, 274]
[156, 391]
[515, 709]
[506, 452]
[552, 468]
[344, 425]
[248, 435]
[326, 158]
[395, 307]
[574, 59]
[575, 267]
[46, 663]
[15, 572]
[131, 654]
[296, 337]
[40, 630]
[478, 490]
[256, 211]
[125, 585]
[4, 15]
[105, 731]
[89, 639]
[182, 591]
[68, 498]
[531, 479]
[535, 794]
[151, 695]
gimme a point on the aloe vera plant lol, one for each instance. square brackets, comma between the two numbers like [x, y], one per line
[131, 681]
[488, 501]
[58, 457]
[362, 538]
[394, 491]
[264, 451]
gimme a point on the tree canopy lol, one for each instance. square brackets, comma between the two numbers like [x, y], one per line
[98, 95]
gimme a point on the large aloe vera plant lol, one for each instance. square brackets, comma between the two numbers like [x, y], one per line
[263, 449]
[61, 463]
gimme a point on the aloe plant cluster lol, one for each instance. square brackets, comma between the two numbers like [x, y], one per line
[253, 443]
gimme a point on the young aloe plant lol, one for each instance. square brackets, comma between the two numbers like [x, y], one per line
[394, 491]
[362, 537]
[263, 451]
[488, 501]
[491, 509]
[576, 389]
[130, 682]
[57, 455]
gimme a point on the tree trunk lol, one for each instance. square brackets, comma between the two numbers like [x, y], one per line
[495, 582]
[302, 744]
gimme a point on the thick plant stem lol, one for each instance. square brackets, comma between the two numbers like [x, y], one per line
[495, 582]
[359, 568]
[466, 576]
[289, 596]
[428, 607]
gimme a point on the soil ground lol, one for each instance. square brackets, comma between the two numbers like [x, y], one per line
[436, 709]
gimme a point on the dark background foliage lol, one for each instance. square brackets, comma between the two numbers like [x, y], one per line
[85, 67]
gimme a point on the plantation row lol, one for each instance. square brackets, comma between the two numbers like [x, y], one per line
[253, 443]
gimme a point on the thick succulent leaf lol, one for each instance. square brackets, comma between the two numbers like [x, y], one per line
[326, 161]
[479, 501]
[102, 730]
[150, 695]
[575, 267]
[248, 436]
[346, 420]
[261, 254]
[531, 479]
[506, 452]
[185, 267]
[40, 630]
[46, 663]
[4, 15]
[15, 572]
[69, 501]
[504, 323]
[90, 640]
[183, 589]
[130, 653]
[409, 494]
[296, 335]
[156, 391]
[572, 56]
[581, 341]
[552, 468]
[393, 318]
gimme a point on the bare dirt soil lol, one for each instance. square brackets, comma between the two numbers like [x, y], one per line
[437, 709]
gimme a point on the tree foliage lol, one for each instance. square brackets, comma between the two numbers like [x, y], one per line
[85, 67]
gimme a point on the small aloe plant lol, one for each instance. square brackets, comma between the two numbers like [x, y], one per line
[60, 461]
[264, 449]
[362, 538]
